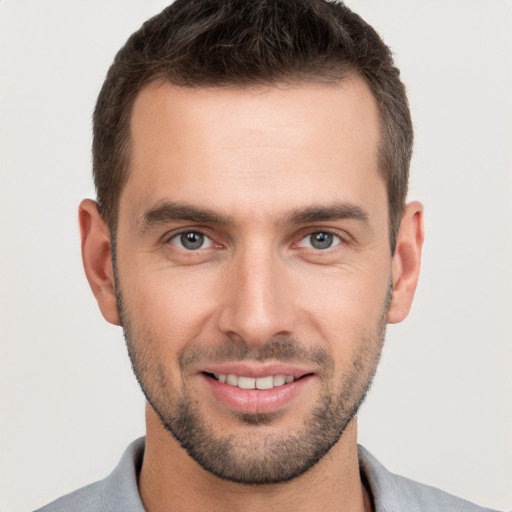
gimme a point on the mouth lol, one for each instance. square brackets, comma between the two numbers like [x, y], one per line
[246, 382]
[256, 391]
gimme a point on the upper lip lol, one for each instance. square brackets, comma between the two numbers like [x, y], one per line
[257, 370]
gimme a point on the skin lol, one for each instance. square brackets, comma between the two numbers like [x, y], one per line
[254, 157]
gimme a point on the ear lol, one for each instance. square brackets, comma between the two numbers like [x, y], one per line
[97, 259]
[406, 262]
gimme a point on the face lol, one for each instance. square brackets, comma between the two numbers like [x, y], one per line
[253, 269]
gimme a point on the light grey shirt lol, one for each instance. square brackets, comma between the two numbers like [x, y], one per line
[391, 493]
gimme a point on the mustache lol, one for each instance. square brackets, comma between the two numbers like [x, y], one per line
[285, 349]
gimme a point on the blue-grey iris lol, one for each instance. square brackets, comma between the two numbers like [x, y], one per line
[321, 240]
[192, 240]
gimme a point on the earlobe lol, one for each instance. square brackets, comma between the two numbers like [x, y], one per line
[97, 259]
[406, 262]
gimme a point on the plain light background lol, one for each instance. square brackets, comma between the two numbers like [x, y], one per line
[441, 407]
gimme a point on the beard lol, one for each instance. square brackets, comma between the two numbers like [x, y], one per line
[260, 454]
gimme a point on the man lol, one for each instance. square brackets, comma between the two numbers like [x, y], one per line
[252, 238]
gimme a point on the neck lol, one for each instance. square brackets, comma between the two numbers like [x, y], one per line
[171, 481]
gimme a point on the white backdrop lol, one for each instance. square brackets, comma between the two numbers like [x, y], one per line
[441, 407]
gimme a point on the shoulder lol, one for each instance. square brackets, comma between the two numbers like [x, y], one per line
[86, 499]
[117, 492]
[395, 493]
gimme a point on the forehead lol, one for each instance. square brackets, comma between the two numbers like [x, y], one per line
[251, 150]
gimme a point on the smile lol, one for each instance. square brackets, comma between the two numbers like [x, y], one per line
[251, 394]
[243, 382]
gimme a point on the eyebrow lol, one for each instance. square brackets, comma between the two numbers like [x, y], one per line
[335, 211]
[170, 211]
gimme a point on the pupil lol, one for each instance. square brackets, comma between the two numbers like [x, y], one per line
[321, 240]
[192, 240]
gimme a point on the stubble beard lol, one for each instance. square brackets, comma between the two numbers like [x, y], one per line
[262, 455]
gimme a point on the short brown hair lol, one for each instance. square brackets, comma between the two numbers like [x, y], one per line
[204, 43]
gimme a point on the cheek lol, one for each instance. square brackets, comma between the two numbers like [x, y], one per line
[170, 304]
[346, 308]
[174, 306]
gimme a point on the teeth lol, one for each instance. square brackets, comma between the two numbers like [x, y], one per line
[265, 382]
[246, 383]
[243, 382]
[232, 380]
[279, 380]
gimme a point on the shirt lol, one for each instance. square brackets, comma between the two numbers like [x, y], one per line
[118, 492]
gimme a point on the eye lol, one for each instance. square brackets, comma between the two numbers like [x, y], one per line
[191, 240]
[320, 240]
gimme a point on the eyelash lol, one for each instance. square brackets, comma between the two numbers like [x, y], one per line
[175, 235]
[323, 232]
[303, 236]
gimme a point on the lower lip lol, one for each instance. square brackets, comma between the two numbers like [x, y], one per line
[254, 401]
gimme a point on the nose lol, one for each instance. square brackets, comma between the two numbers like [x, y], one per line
[258, 301]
